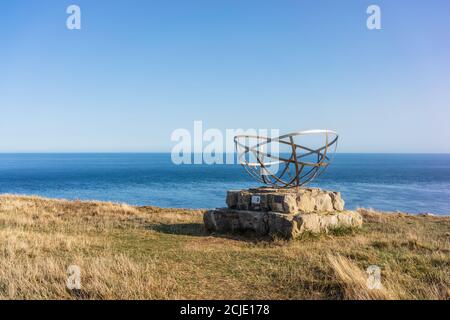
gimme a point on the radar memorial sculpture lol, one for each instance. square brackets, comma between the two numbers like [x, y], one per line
[284, 206]
[297, 169]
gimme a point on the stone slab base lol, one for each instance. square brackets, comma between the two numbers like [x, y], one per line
[289, 201]
[278, 224]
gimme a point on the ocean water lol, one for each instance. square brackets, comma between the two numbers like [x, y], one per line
[415, 183]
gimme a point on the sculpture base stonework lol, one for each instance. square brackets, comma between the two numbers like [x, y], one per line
[301, 200]
[281, 212]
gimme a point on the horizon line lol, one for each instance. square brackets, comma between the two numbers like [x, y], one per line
[191, 153]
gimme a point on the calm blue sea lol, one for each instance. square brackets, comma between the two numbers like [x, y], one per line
[415, 183]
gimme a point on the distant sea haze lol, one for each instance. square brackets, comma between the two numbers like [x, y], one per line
[413, 183]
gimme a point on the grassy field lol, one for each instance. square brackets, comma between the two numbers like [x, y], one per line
[127, 252]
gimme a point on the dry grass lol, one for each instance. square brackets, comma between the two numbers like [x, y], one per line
[127, 252]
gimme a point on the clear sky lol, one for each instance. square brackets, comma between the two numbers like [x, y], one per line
[137, 70]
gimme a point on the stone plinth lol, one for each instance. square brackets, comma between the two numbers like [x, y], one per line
[300, 200]
[283, 212]
[288, 226]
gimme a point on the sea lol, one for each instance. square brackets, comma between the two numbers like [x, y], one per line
[412, 183]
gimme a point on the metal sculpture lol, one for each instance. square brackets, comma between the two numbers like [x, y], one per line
[302, 166]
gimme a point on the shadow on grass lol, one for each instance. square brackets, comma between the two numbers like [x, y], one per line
[199, 230]
[79, 294]
[186, 229]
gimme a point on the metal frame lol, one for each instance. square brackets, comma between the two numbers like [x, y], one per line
[305, 171]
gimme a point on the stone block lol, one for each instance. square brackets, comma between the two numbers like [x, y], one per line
[288, 201]
[288, 226]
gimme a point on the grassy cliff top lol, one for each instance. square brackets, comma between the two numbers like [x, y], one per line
[127, 252]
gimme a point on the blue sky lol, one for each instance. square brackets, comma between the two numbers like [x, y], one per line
[137, 70]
